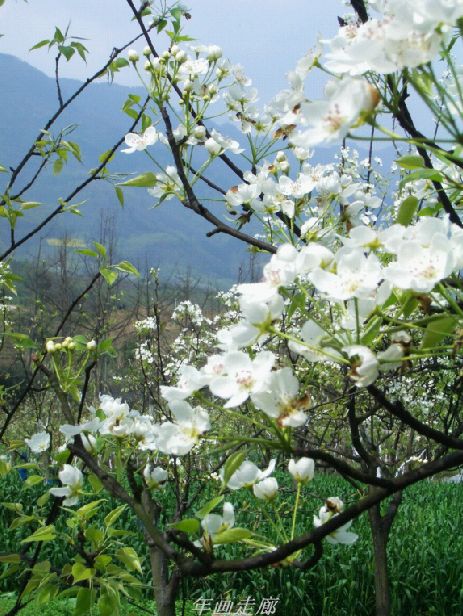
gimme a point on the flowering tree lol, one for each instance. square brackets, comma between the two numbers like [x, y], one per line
[346, 354]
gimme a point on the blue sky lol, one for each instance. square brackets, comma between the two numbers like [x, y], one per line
[265, 36]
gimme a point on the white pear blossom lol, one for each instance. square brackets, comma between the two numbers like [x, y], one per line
[178, 438]
[154, 477]
[242, 376]
[217, 144]
[357, 275]
[316, 339]
[333, 507]
[213, 524]
[189, 380]
[168, 184]
[420, 268]
[70, 431]
[73, 481]
[137, 143]
[330, 120]
[248, 474]
[281, 400]
[116, 413]
[39, 442]
[364, 367]
[303, 470]
[266, 489]
[258, 316]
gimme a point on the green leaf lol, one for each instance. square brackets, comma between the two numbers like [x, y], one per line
[23, 341]
[59, 36]
[130, 558]
[33, 480]
[29, 205]
[145, 122]
[80, 572]
[121, 62]
[45, 533]
[40, 44]
[188, 525]
[106, 347]
[208, 507]
[114, 515]
[232, 535]
[96, 484]
[22, 521]
[232, 464]
[81, 50]
[126, 266]
[119, 195]
[10, 558]
[144, 180]
[297, 303]
[90, 509]
[410, 161]
[109, 275]
[108, 604]
[67, 51]
[100, 249]
[87, 252]
[5, 467]
[58, 166]
[422, 174]
[430, 211]
[95, 535]
[437, 330]
[102, 561]
[407, 211]
[84, 601]
[162, 23]
[43, 500]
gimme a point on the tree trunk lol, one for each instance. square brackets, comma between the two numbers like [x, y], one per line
[165, 591]
[379, 533]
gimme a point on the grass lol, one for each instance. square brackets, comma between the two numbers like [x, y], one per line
[425, 561]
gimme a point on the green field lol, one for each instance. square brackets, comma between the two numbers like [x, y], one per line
[425, 556]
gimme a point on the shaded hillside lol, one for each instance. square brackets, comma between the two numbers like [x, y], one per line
[169, 236]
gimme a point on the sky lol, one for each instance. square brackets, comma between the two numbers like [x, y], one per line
[265, 36]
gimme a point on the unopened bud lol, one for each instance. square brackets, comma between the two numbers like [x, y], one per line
[133, 55]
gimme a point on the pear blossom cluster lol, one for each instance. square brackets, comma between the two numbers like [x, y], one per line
[310, 196]
[403, 34]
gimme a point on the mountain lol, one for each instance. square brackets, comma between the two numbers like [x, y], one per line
[169, 237]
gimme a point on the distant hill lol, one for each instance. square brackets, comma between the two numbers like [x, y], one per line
[169, 237]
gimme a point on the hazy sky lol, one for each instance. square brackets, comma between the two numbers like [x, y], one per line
[265, 36]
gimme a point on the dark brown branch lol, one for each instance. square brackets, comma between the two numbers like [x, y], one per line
[402, 114]
[58, 86]
[360, 8]
[342, 467]
[313, 560]
[191, 202]
[397, 409]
